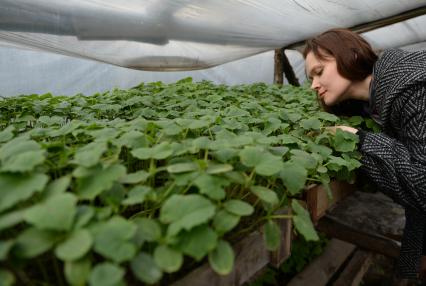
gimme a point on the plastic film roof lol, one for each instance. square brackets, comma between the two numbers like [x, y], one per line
[178, 34]
[409, 33]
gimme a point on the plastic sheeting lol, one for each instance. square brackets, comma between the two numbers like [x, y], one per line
[409, 33]
[179, 34]
[27, 72]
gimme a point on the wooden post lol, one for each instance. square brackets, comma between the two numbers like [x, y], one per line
[278, 66]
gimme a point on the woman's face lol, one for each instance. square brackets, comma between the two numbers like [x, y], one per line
[330, 86]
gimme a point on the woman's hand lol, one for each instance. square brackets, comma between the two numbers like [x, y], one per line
[333, 129]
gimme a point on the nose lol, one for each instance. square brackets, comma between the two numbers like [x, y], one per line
[315, 84]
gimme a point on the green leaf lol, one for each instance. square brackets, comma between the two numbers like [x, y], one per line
[238, 207]
[75, 246]
[212, 186]
[168, 259]
[265, 194]
[251, 156]
[324, 151]
[6, 278]
[198, 242]
[310, 124]
[90, 154]
[113, 240]
[11, 219]
[134, 178]
[15, 188]
[222, 258]
[132, 139]
[159, 152]
[224, 221]
[272, 235]
[5, 247]
[269, 165]
[294, 177]
[33, 242]
[99, 180]
[57, 186]
[345, 141]
[327, 116]
[264, 162]
[7, 134]
[302, 222]
[185, 212]
[218, 168]
[303, 158]
[56, 213]
[16, 147]
[83, 216]
[145, 269]
[182, 167]
[147, 230]
[137, 195]
[23, 162]
[77, 272]
[106, 274]
[355, 120]
[192, 123]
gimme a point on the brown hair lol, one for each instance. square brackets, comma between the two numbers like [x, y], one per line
[354, 56]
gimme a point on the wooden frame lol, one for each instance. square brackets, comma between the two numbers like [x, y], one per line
[251, 256]
[317, 199]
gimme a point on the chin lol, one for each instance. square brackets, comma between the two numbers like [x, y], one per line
[329, 101]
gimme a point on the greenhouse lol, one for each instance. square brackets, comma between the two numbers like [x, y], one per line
[255, 143]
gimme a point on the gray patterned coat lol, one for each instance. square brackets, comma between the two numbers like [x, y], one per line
[396, 158]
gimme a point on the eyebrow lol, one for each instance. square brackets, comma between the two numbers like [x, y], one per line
[310, 72]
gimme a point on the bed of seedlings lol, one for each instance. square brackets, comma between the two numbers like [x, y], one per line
[136, 184]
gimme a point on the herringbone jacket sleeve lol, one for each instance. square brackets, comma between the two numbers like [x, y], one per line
[397, 164]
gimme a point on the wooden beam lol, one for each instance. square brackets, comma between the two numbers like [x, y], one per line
[371, 212]
[322, 268]
[333, 227]
[365, 27]
[355, 270]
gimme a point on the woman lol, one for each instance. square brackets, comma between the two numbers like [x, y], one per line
[350, 79]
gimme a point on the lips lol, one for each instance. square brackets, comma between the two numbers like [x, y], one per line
[321, 95]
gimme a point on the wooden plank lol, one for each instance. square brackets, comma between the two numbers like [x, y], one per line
[318, 201]
[251, 256]
[355, 270]
[371, 212]
[284, 252]
[321, 269]
[333, 227]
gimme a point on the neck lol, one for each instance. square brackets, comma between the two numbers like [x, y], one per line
[360, 90]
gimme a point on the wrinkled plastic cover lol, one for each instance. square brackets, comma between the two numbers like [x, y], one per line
[409, 33]
[178, 34]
